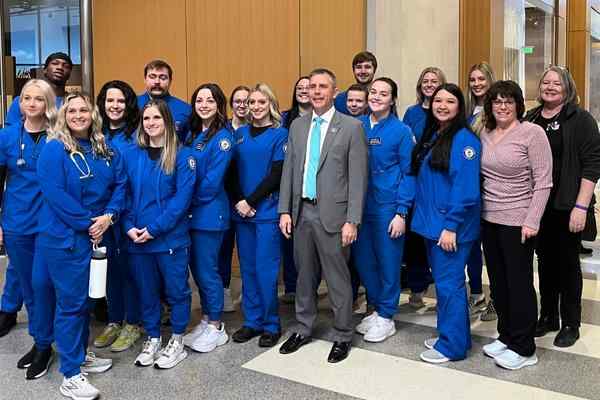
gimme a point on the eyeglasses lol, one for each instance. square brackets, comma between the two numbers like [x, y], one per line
[240, 102]
[500, 103]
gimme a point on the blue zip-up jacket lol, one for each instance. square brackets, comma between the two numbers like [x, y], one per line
[450, 200]
[210, 204]
[14, 116]
[119, 141]
[254, 156]
[179, 109]
[157, 201]
[390, 148]
[70, 199]
[340, 102]
[22, 196]
[415, 117]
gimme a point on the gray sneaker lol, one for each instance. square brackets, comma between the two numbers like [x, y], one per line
[95, 365]
[476, 303]
[489, 314]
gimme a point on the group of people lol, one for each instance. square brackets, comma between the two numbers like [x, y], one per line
[337, 187]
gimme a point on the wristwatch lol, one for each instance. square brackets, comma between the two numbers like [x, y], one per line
[110, 217]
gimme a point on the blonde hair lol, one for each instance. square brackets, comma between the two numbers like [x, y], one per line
[567, 82]
[62, 132]
[488, 72]
[273, 103]
[168, 157]
[49, 98]
[435, 70]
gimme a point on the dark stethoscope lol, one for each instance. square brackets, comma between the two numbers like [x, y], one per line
[21, 160]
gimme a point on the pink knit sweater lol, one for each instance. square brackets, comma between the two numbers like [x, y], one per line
[517, 176]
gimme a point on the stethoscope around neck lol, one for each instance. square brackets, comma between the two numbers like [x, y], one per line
[21, 162]
[84, 169]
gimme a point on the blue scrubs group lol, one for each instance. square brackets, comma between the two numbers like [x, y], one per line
[258, 237]
[76, 187]
[210, 216]
[159, 202]
[376, 255]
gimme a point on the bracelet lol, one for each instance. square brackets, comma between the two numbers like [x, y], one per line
[579, 206]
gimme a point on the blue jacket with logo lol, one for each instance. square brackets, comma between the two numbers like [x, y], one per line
[179, 109]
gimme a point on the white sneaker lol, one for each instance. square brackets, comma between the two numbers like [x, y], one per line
[430, 343]
[210, 339]
[382, 329]
[173, 353]
[511, 360]
[366, 323]
[415, 300]
[95, 365]
[494, 349]
[227, 301]
[433, 356]
[149, 352]
[195, 333]
[79, 388]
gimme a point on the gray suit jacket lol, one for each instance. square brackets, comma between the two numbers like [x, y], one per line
[341, 176]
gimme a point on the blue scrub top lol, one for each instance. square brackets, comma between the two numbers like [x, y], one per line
[390, 148]
[22, 196]
[450, 200]
[415, 117]
[210, 204]
[340, 102]
[180, 110]
[14, 116]
[119, 141]
[75, 191]
[157, 201]
[254, 157]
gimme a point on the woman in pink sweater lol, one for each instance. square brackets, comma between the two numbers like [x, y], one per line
[516, 171]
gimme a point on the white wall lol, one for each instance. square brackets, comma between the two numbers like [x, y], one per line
[409, 35]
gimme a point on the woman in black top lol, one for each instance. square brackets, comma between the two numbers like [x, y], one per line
[575, 143]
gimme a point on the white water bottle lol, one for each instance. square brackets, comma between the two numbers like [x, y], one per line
[98, 271]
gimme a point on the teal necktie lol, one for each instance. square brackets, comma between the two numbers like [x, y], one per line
[314, 155]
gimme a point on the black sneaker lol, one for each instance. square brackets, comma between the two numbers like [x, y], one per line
[269, 339]
[567, 336]
[545, 325]
[244, 334]
[40, 364]
[7, 321]
[27, 359]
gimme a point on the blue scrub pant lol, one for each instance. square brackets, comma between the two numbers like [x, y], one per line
[205, 270]
[259, 249]
[12, 297]
[122, 293]
[475, 268]
[169, 270]
[290, 274]
[453, 323]
[226, 256]
[378, 259]
[20, 250]
[60, 285]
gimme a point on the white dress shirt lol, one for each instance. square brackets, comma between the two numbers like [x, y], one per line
[326, 119]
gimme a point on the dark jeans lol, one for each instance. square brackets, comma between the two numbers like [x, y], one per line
[510, 268]
[561, 281]
[416, 274]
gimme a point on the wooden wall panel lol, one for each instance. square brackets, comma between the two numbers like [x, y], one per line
[331, 33]
[233, 42]
[128, 34]
[578, 46]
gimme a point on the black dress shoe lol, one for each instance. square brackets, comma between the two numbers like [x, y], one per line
[27, 359]
[40, 364]
[244, 334]
[293, 343]
[545, 325]
[567, 336]
[269, 339]
[339, 351]
[7, 321]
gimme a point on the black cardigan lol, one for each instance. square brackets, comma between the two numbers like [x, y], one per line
[581, 152]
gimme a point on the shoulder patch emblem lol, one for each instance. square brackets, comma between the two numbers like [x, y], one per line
[192, 163]
[225, 145]
[469, 153]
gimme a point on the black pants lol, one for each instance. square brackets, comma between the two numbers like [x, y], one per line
[510, 268]
[561, 281]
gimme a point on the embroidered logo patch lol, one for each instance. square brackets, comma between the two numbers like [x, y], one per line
[192, 163]
[239, 140]
[469, 153]
[225, 145]
[374, 141]
[200, 146]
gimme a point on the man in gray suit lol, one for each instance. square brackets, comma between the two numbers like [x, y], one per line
[321, 201]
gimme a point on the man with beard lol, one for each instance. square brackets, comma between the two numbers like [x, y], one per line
[158, 76]
[364, 66]
[57, 70]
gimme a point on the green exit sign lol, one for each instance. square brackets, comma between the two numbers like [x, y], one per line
[528, 49]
